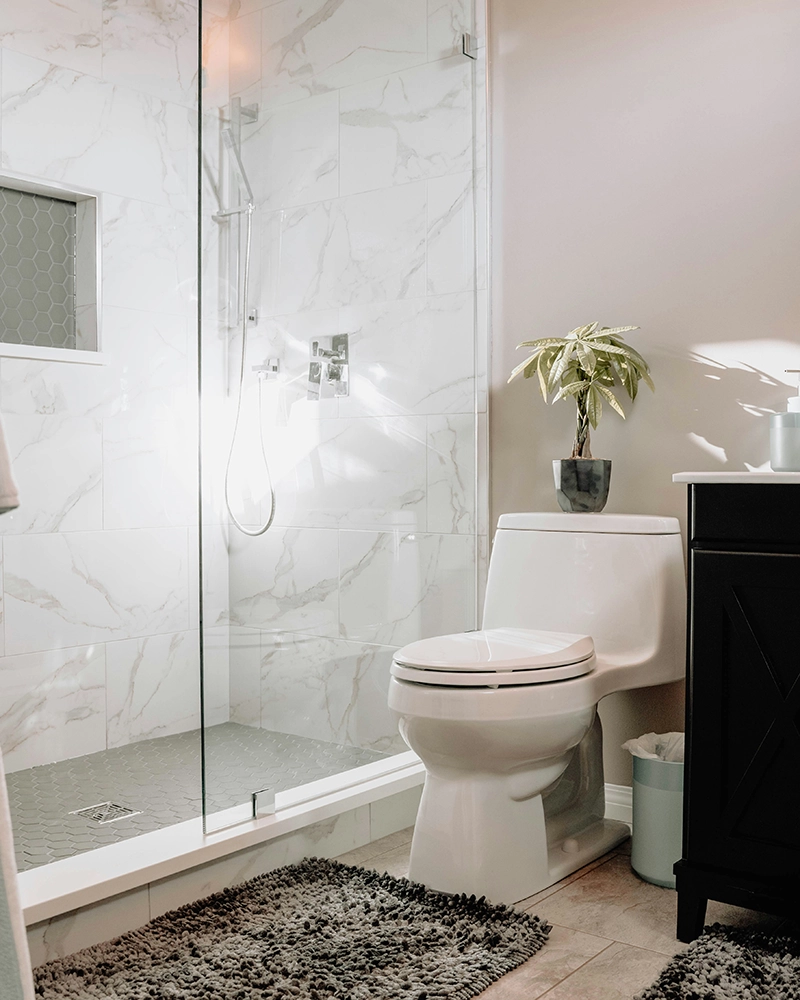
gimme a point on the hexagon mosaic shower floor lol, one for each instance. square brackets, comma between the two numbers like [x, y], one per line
[160, 781]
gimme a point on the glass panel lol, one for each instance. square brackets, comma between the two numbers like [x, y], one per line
[99, 652]
[342, 352]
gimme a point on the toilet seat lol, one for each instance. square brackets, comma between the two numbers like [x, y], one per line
[495, 657]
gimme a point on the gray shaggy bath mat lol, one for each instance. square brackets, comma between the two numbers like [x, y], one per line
[729, 963]
[311, 931]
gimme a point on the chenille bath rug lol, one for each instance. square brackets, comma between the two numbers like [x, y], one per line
[730, 963]
[317, 930]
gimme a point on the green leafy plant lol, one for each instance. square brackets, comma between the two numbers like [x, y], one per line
[586, 365]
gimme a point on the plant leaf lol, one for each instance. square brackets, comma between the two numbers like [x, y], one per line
[612, 399]
[543, 342]
[586, 356]
[594, 406]
[542, 379]
[560, 366]
[520, 367]
[570, 390]
[612, 349]
[613, 331]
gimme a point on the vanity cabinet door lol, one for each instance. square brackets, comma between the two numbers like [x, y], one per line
[743, 768]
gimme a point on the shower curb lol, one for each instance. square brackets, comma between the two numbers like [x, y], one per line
[96, 876]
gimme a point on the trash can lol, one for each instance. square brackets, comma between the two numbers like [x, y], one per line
[657, 805]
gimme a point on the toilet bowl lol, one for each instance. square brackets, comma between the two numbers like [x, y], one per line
[577, 606]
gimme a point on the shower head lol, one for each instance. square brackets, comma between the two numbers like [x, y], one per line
[230, 144]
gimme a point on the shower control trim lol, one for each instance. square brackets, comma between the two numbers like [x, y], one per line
[329, 367]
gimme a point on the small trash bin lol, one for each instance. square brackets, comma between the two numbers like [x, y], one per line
[657, 805]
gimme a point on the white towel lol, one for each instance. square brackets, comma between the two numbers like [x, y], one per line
[15, 961]
[9, 498]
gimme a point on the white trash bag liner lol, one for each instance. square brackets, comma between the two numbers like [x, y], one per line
[657, 746]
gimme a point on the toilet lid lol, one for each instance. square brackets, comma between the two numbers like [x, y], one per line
[498, 656]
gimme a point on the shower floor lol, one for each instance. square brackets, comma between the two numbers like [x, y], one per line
[160, 781]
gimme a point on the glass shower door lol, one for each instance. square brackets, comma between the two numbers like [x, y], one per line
[342, 365]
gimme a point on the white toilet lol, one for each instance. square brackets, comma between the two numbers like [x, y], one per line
[505, 719]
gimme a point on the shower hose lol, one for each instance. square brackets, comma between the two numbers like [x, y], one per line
[260, 529]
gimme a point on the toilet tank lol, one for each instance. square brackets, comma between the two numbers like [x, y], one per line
[616, 577]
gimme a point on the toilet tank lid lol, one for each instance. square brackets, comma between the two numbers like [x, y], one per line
[612, 524]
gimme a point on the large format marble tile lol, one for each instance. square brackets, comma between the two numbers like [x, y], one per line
[152, 47]
[447, 21]
[67, 34]
[324, 839]
[362, 472]
[413, 356]
[216, 56]
[83, 587]
[451, 473]
[52, 705]
[149, 257]
[406, 127]
[58, 463]
[292, 153]
[245, 676]
[365, 248]
[2, 615]
[54, 389]
[327, 689]
[150, 466]
[216, 675]
[148, 358]
[216, 567]
[152, 687]
[397, 587]
[285, 579]
[70, 932]
[244, 54]
[66, 126]
[451, 265]
[310, 46]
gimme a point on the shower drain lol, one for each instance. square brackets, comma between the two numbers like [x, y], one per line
[106, 812]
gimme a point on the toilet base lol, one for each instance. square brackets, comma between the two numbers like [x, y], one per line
[585, 847]
[470, 837]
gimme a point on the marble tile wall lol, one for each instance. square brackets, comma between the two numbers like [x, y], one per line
[99, 584]
[368, 164]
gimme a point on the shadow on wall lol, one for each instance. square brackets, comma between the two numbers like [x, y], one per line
[724, 418]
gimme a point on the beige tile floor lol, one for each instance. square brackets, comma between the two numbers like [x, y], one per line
[612, 933]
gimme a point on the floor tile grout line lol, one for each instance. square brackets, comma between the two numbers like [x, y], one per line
[581, 966]
[581, 873]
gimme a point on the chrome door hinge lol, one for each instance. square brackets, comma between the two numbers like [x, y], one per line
[466, 46]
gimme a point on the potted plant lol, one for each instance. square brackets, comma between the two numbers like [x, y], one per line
[585, 365]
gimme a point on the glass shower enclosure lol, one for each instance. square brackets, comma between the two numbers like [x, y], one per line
[242, 382]
[342, 357]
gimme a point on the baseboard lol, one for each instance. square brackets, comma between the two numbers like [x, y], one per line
[619, 803]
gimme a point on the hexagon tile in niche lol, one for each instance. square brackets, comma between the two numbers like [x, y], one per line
[37, 269]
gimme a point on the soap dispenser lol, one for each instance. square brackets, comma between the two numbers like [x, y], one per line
[784, 435]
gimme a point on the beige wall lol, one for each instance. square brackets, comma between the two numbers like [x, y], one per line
[646, 170]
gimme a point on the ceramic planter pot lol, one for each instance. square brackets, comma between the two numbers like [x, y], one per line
[582, 484]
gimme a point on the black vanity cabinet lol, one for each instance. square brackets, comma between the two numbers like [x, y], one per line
[741, 832]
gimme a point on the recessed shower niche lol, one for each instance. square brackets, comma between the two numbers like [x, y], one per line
[48, 267]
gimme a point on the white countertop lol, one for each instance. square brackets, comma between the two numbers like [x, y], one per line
[736, 477]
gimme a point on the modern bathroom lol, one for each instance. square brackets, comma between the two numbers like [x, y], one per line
[399, 482]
